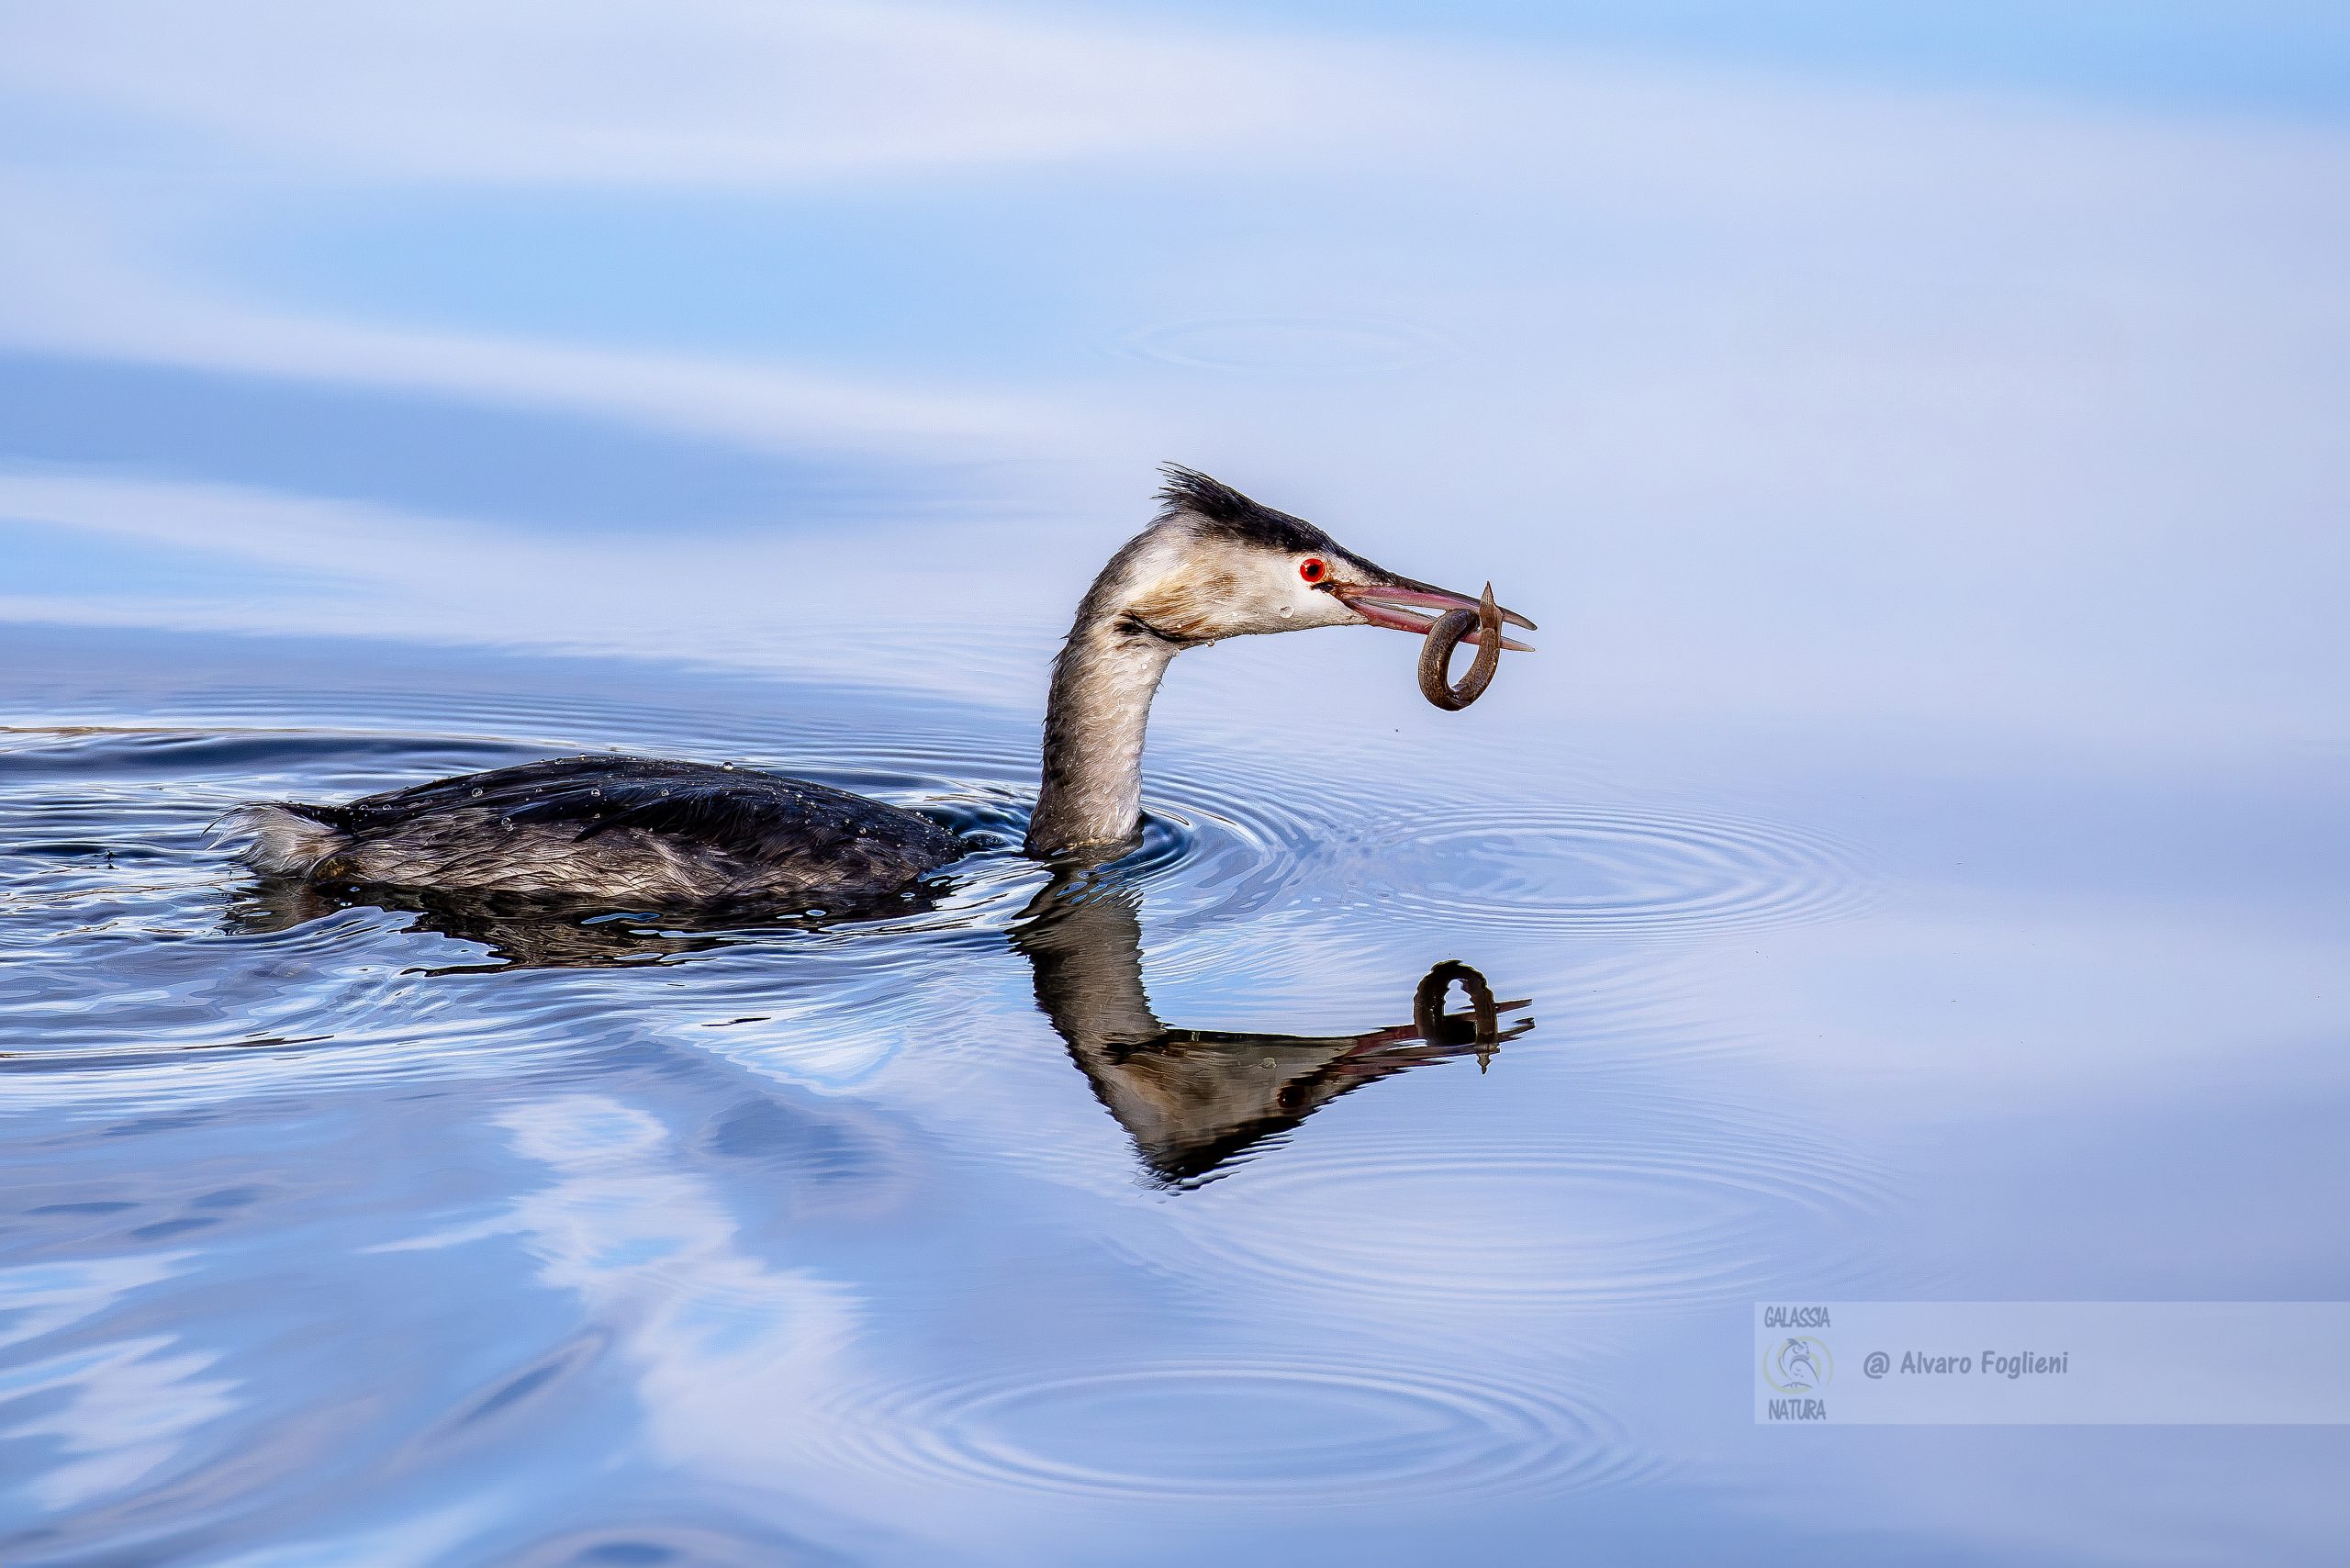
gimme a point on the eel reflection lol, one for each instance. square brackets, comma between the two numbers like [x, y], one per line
[1193, 1100]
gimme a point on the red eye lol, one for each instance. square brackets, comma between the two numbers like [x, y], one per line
[1314, 568]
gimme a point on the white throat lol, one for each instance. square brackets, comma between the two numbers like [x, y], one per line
[1103, 684]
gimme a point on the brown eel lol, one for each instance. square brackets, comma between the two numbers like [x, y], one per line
[1436, 655]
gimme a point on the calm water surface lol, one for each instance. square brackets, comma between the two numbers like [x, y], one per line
[1911, 869]
[380, 1234]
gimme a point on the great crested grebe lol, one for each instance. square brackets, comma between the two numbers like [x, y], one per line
[1211, 565]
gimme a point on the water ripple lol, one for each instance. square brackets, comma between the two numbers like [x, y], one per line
[1612, 871]
[265, 983]
[1216, 845]
[1289, 1433]
[1694, 1211]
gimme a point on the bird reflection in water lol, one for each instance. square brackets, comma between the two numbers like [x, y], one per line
[1193, 1100]
[523, 931]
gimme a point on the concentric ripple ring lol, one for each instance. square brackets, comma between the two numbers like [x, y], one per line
[1695, 1216]
[1608, 871]
[1286, 1432]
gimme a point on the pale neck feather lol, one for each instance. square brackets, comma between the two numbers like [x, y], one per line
[1103, 685]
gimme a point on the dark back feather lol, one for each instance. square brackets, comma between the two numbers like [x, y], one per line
[741, 812]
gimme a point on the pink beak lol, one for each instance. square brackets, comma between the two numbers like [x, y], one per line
[1394, 603]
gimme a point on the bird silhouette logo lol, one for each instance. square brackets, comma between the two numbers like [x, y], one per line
[1799, 1365]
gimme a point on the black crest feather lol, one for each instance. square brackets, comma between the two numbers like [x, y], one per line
[1227, 513]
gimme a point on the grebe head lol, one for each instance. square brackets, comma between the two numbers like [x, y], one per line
[1217, 564]
[1213, 565]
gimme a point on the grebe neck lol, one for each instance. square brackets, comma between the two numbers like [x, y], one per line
[1103, 684]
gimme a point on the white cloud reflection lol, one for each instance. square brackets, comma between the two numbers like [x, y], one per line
[225, 108]
[741, 1366]
[780, 601]
[606, 92]
[79, 278]
[1787, 398]
[112, 1412]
